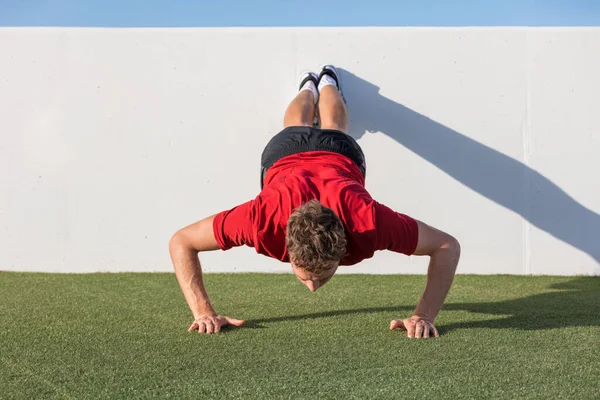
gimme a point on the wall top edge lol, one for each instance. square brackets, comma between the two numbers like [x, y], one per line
[306, 28]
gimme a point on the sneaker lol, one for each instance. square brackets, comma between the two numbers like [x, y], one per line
[305, 77]
[331, 71]
[308, 76]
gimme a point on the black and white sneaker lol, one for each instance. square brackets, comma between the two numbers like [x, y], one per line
[308, 76]
[331, 71]
[305, 77]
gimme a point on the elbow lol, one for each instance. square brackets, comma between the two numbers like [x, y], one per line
[447, 248]
[451, 246]
[178, 242]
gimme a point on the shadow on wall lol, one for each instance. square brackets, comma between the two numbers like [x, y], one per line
[494, 175]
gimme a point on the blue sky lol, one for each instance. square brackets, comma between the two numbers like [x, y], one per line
[182, 13]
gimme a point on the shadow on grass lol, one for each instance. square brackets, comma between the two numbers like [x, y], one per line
[257, 323]
[574, 304]
[570, 304]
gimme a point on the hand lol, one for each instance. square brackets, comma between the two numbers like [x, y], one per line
[213, 323]
[415, 326]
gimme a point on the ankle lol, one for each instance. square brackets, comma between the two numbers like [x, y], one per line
[327, 80]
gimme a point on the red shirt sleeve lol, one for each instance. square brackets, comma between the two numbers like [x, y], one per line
[396, 232]
[234, 227]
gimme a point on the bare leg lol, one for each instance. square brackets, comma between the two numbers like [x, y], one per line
[301, 111]
[332, 110]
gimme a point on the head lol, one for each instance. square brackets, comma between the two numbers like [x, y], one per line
[316, 242]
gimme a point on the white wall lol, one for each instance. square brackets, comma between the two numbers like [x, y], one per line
[112, 139]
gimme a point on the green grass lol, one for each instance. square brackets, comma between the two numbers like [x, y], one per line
[125, 336]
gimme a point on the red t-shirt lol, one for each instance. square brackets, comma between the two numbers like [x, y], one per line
[337, 183]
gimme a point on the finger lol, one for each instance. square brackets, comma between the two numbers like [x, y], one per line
[396, 323]
[201, 327]
[435, 332]
[419, 329]
[193, 327]
[235, 322]
[209, 327]
[410, 328]
[218, 324]
[426, 331]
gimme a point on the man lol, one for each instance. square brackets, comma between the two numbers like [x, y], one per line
[314, 212]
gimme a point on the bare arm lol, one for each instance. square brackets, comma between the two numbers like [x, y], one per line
[184, 248]
[444, 251]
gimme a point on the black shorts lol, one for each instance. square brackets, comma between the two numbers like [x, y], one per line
[297, 139]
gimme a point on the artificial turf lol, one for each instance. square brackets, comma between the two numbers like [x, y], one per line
[125, 336]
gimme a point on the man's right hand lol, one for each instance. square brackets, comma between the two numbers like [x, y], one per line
[213, 323]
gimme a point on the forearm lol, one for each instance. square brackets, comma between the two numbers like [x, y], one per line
[440, 274]
[189, 275]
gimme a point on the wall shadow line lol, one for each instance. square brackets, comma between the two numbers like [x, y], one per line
[500, 178]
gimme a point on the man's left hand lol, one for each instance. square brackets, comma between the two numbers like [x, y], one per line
[415, 326]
